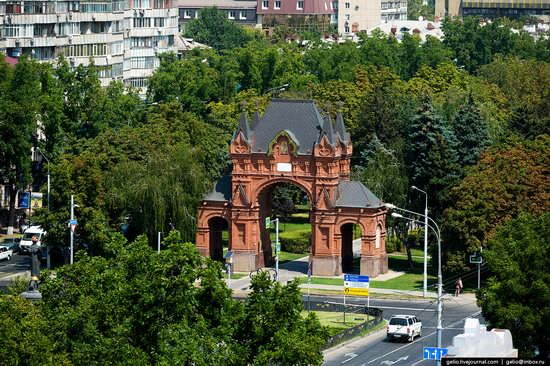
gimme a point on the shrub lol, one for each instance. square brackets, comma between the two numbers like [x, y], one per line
[393, 244]
[295, 241]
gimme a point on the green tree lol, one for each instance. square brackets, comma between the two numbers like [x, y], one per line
[525, 84]
[25, 334]
[214, 29]
[383, 171]
[517, 296]
[272, 329]
[508, 180]
[429, 156]
[161, 193]
[470, 132]
[19, 108]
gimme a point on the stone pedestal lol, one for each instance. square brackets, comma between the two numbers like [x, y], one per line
[326, 266]
[244, 261]
[370, 266]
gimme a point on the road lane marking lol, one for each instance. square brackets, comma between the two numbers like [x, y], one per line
[429, 335]
[351, 357]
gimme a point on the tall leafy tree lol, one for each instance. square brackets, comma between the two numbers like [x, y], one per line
[508, 180]
[383, 171]
[517, 296]
[19, 108]
[214, 29]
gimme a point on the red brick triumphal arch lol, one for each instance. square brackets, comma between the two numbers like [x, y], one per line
[292, 143]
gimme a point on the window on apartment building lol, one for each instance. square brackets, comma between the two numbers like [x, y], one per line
[43, 30]
[335, 5]
[13, 8]
[231, 14]
[116, 48]
[347, 5]
[137, 82]
[300, 5]
[159, 22]
[140, 22]
[160, 4]
[119, 5]
[265, 4]
[117, 26]
[242, 15]
[142, 4]
[84, 50]
[187, 14]
[346, 29]
[346, 17]
[11, 30]
[96, 8]
[74, 6]
[277, 4]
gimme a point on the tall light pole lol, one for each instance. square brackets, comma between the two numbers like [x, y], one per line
[47, 161]
[439, 272]
[71, 228]
[425, 287]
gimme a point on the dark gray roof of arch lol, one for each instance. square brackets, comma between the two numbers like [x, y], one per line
[356, 194]
[301, 117]
[221, 191]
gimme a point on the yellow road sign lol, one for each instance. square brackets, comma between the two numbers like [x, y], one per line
[356, 291]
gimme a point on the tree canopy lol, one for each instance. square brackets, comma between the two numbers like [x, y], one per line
[516, 296]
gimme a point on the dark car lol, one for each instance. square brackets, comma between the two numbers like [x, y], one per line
[11, 243]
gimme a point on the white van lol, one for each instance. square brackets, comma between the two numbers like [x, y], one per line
[26, 240]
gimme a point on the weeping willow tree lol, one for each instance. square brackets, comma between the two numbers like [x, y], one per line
[159, 195]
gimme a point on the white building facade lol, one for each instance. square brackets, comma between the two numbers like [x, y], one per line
[122, 36]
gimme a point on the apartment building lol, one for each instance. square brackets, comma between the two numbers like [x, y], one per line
[242, 12]
[122, 36]
[393, 10]
[356, 16]
[300, 15]
[494, 8]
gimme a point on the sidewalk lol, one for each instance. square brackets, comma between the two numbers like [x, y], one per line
[298, 268]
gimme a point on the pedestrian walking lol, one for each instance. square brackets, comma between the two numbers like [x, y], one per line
[458, 286]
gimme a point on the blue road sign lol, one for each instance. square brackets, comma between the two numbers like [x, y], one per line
[24, 200]
[72, 222]
[434, 353]
[355, 278]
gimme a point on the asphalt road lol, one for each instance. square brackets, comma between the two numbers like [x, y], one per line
[376, 350]
[18, 265]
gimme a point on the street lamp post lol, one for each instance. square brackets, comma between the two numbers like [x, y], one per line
[439, 272]
[425, 287]
[277, 88]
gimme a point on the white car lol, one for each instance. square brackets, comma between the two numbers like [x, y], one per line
[5, 253]
[404, 326]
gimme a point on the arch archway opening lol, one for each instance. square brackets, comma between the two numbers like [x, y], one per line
[291, 205]
[350, 248]
[218, 240]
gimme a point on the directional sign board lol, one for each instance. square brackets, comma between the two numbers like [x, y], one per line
[434, 353]
[267, 222]
[476, 258]
[356, 285]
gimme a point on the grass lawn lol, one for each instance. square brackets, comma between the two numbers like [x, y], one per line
[335, 321]
[236, 275]
[288, 257]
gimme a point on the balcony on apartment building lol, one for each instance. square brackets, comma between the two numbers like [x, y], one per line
[296, 14]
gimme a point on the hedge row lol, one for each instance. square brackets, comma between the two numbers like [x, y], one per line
[295, 241]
